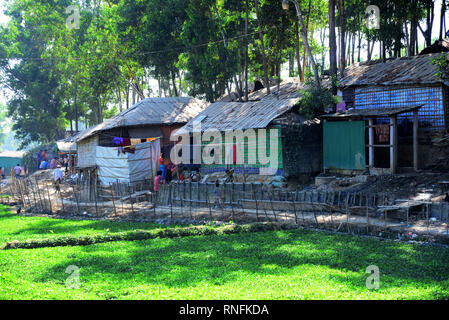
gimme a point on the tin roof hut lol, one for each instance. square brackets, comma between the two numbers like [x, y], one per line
[277, 115]
[374, 90]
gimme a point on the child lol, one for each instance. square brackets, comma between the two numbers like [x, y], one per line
[217, 195]
[157, 181]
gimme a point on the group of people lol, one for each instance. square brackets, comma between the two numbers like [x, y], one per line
[54, 163]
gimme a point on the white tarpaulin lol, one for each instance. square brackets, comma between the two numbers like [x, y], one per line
[128, 167]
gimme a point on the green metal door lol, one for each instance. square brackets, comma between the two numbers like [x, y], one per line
[344, 145]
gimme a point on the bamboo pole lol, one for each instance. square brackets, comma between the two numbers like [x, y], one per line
[39, 195]
[113, 199]
[208, 202]
[271, 204]
[130, 198]
[49, 199]
[76, 199]
[255, 199]
[294, 209]
[171, 200]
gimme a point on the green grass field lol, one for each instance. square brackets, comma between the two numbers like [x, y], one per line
[15, 227]
[296, 264]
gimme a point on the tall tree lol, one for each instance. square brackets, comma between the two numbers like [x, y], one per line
[332, 46]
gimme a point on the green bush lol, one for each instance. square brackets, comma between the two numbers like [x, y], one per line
[144, 235]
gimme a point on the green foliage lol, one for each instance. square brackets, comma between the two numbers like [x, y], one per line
[442, 64]
[315, 101]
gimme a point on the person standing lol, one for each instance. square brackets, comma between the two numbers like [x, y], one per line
[53, 163]
[23, 172]
[157, 182]
[217, 195]
[17, 170]
[57, 177]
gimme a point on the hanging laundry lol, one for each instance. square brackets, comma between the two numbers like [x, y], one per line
[126, 142]
[135, 141]
[383, 132]
[118, 141]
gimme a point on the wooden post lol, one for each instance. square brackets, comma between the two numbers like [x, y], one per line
[95, 197]
[20, 193]
[371, 142]
[207, 201]
[271, 203]
[190, 198]
[39, 194]
[393, 144]
[232, 199]
[49, 199]
[155, 201]
[255, 199]
[294, 208]
[183, 195]
[112, 197]
[367, 215]
[130, 198]
[76, 199]
[415, 140]
[347, 211]
[34, 193]
[171, 200]
[62, 200]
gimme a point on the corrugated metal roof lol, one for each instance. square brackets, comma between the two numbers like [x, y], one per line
[150, 111]
[66, 146]
[362, 113]
[406, 70]
[288, 88]
[226, 116]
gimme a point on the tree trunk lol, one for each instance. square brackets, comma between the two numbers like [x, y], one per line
[264, 58]
[174, 83]
[298, 55]
[75, 107]
[100, 111]
[304, 61]
[246, 49]
[353, 49]
[306, 44]
[120, 102]
[225, 42]
[291, 65]
[359, 46]
[443, 13]
[341, 9]
[413, 27]
[332, 46]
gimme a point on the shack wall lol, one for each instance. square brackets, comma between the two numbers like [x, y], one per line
[344, 145]
[430, 116]
[86, 152]
[302, 149]
[257, 168]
